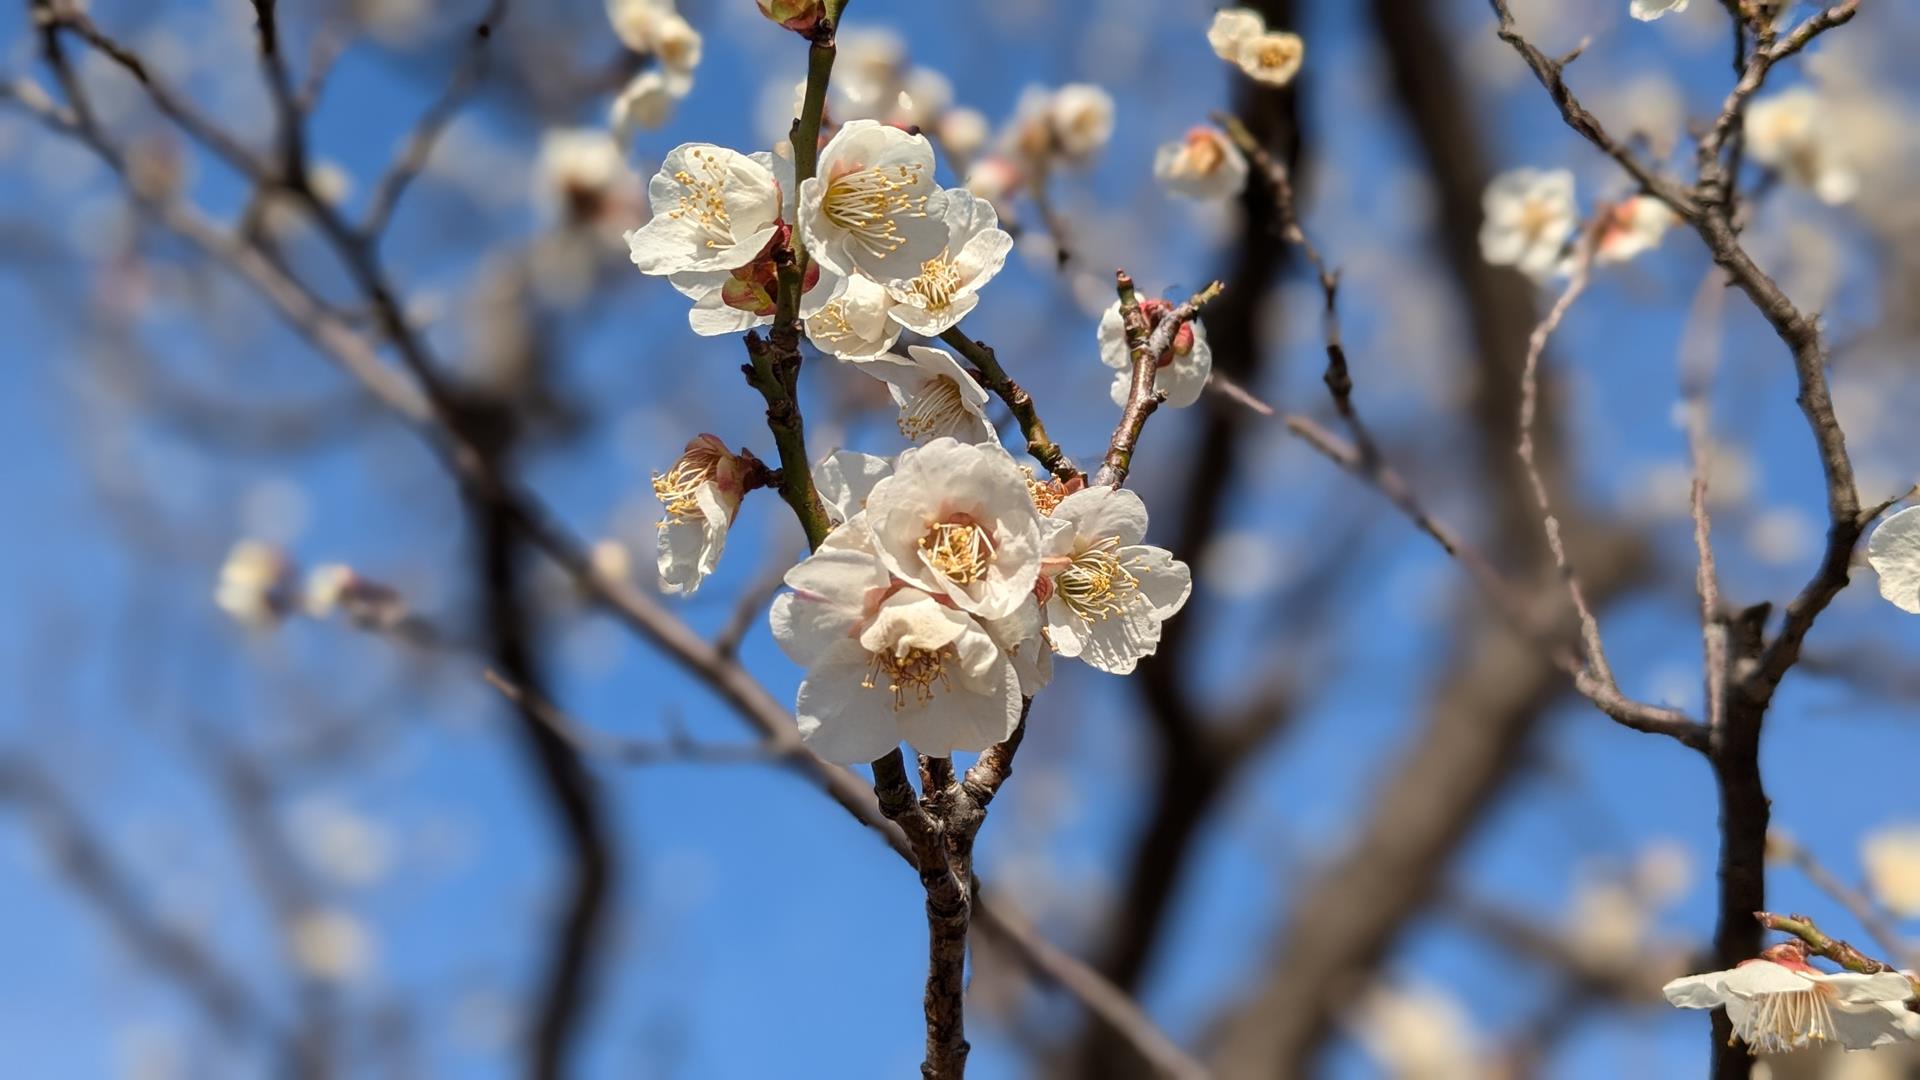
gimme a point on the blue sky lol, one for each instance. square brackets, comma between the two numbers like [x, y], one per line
[759, 931]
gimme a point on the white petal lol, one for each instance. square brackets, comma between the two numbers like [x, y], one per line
[964, 720]
[844, 478]
[1894, 552]
[1100, 512]
[840, 718]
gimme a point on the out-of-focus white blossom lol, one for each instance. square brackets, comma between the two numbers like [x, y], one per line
[1649, 10]
[799, 16]
[1417, 1033]
[1528, 216]
[1203, 165]
[948, 284]
[1231, 29]
[1081, 116]
[634, 21]
[1894, 552]
[1777, 1006]
[255, 587]
[1790, 132]
[677, 45]
[647, 102]
[1106, 592]
[962, 133]
[1183, 371]
[873, 208]
[348, 847]
[937, 398]
[1241, 38]
[1634, 226]
[701, 494]
[994, 179]
[582, 177]
[1892, 860]
[331, 946]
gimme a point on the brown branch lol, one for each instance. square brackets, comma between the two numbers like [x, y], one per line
[1147, 346]
[426, 133]
[1697, 363]
[1864, 911]
[1819, 944]
[1552, 75]
[1018, 401]
[674, 750]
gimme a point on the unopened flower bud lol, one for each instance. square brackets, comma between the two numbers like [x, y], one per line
[799, 16]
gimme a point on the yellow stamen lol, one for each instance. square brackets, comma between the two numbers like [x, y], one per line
[866, 202]
[1097, 585]
[915, 671]
[938, 407]
[703, 203]
[959, 551]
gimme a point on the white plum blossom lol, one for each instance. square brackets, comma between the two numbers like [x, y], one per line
[948, 284]
[1891, 858]
[1105, 592]
[886, 661]
[963, 132]
[1232, 28]
[955, 520]
[937, 398]
[701, 494]
[1529, 214]
[714, 209]
[330, 945]
[1894, 552]
[873, 208]
[855, 324]
[1788, 132]
[733, 301]
[634, 21]
[1081, 116]
[994, 179]
[1241, 38]
[1204, 165]
[256, 584]
[1649, 10]
[845, 478]
[917, 670]
[582, 176]
[1633, 227]
[676, 44]
[1184, 369]
[647, 102]
[1782, 1005]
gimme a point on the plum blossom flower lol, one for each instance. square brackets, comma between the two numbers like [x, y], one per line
[1891, 857]
[1231, 28]
[701, 494]
[1105, 592]
[1894, 552]
[647, 102]
[856, 324]
[915, 669]
[714, 209]
[937, 398]
[1634, 226]
[948, 284]
[1241, 38]
[1649, 10]
[634, 21]
[1184, 369]
[962, 133]
[845, 478]
[873, 208]
[1529, 213]
[1779, 1003]
[954, 520]
[731, 301]
[582, 177]
[1788, 132]
[255, 588]
[1081, 116]
[1203, 165]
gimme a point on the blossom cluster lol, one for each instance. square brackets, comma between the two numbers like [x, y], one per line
[953, 576]
[1529, 217]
